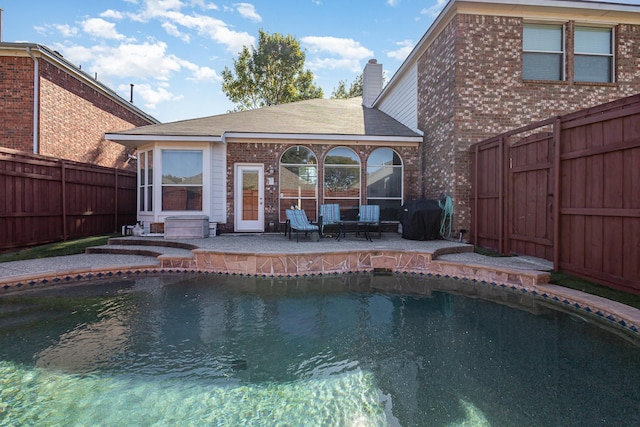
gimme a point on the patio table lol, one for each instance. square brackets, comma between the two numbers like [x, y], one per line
[344, 224]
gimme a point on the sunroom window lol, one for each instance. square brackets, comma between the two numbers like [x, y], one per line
[182, 180]
[342, 180]
[145, 189]
[384, 182]
[543, 52]
[298, 181]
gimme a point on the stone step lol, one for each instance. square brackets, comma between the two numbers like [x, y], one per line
[144, 250]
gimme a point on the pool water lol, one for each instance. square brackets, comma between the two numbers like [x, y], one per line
[352, 350]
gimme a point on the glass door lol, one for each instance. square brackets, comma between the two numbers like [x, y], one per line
[249, 196]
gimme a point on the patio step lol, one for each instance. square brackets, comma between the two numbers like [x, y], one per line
[144, 247]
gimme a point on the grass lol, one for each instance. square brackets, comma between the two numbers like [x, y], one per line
[70, 247]
[572, 282]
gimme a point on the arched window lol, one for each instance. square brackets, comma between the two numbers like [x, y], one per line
[342, 180]
[384, 182]
[298, 181]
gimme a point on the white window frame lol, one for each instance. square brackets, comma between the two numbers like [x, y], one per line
[372, 199]
[145, 181]
[205, 178]
[286, 202]
[562, 53]
[611, 55]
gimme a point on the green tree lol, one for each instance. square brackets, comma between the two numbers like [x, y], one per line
[354, 90]
[271, 73]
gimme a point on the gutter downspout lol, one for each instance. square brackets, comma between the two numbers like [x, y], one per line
[36, 100]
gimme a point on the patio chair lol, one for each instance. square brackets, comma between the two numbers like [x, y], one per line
[371, 215]
[298, 221]
[329, 216]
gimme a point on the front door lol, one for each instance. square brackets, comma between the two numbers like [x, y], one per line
[249, 196]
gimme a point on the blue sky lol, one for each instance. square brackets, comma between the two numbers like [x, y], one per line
[174, 51]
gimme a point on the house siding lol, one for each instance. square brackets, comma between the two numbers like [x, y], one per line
[402, 102]
[471, 88]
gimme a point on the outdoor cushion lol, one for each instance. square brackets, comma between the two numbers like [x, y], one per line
[371, 215]
[298, 221]
[329, 215]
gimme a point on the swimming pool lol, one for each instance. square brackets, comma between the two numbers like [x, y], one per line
[352, 350]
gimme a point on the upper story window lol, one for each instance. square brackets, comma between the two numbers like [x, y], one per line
[543, 54]
[593, 54]
[182, 180]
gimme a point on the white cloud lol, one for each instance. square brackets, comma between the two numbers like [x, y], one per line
[215, 29]
[151, 96]
[352, 65]
[393, 3]
[340, 53]
[172, 30]
[146, 61]
[169, 12]
[66, 30]
[202, 74]
[248, 11]
[434, 10]
[406, 46]
[141, 61]
[346, 48]
[112, 14]
[98, 27]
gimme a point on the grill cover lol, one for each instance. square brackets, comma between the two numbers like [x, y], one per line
[420, 220]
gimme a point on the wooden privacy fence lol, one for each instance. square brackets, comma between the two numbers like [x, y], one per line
[566, 189]
[47, 200]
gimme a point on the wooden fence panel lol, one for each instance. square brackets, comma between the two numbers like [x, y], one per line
[488, 195]
[530, 178]
[571, 196]
[47, 200]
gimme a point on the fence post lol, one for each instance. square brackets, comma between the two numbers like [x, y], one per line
[501, 184]
[63, 178]
[115, 202]
[557, 131]
[474, 226]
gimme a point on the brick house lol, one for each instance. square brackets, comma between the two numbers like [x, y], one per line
[51, 107]
[243, 170]
[485, 67]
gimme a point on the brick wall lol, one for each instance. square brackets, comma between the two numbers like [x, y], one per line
[436, 101]
[16, 105]
[73, 116]
[269, 155]
[484, 53]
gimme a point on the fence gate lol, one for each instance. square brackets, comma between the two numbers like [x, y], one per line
[566, 189]
[530, 196]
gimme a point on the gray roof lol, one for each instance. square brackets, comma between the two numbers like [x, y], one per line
[313, 116]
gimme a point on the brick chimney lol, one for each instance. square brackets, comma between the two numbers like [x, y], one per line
[371, 82]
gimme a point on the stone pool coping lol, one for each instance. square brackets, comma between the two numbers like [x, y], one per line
[438, 260]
